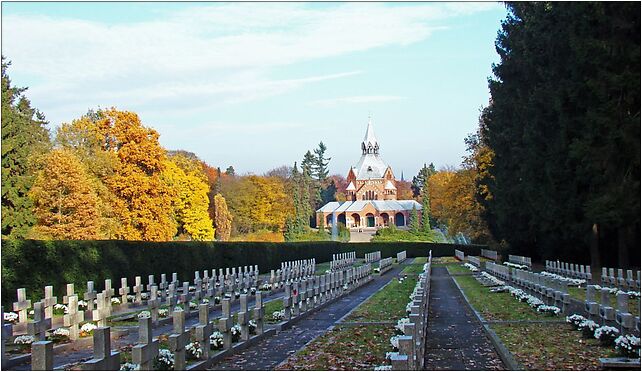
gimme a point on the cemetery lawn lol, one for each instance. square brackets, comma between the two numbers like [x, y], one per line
[389, 304]
[344, 348]
[497, 306]
[458, 269]
[321, 268]
[445, 260]
[551, 346]
[413, 269]
[420, 260]
[580, 295]
[271, 307]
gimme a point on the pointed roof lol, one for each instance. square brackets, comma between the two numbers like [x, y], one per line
[351, 187]
[370, 144]
[389, 186]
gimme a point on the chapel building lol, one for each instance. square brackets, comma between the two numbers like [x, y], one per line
[371, 194]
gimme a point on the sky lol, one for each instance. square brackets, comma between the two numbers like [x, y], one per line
[256, 85]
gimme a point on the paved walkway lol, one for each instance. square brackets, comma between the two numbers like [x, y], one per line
[269, 353]
[455, 338]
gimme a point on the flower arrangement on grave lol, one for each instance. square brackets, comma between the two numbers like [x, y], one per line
[131, 298]
[394, 341]
[266, 287]
[628, 346]
[164, 361]
[632, 294]
[178, 307]
[500, 289]
[251, 325]
[492, 279]
[236, 332]
[345, 287]
[193, 350]
[206, 301]
[278, 316]
[534, 302]
[575, 320]
[11, 317]
[144, 295]
[376, 270]
[115, 301]
[129, 367]
[383, 367]
[193, 305]
[216, 340]
[60, 309]
[400, 324]
[401, 279]
[610, 289]
[24, 340]
[217, 299]
[59, 335]
[144, 314]
[570, 281]
[237, 294]
[163, 313]
[82, 305]
[587, 328]
[510, 264]
[471, 267]
[191, 288]
[550, 310]
[606, 335]
[87, 329]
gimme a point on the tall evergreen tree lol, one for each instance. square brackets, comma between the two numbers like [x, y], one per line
[308, 163]
[413, 221]
[24, 138]
[320, 165]
[419, 180]
[218, 185]
[564, 128]
[230, 171]
[425, 207]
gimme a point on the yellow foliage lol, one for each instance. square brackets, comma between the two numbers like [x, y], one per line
[65, 202]
[222, 218]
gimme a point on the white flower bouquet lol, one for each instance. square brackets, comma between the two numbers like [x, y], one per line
[606, 335]
[470, 267]
[24, 340]
[632, 294]
[60, 309]
[163, 313]
[235, 331]
[517, 266]
[115, 301]
[628, 346]
[216, 340]
[394, 341]
[11, 317]
[278, 316]
[129, 367]
[384, 367]
[587, 328]
[193, 305]
[144, 314]
[193, 350]
[575, 320]
[87, 329]
[82, 304]
[59, 334]
[551, 310]
[131, 298]
[164, 361]
[400, 324]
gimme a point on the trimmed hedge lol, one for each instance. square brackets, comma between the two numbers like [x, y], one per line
[33, 264]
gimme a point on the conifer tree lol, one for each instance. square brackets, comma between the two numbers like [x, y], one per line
[24, 138]
[425, 207]
[320, 164]
[413, 221]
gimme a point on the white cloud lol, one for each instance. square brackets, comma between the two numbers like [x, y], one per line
[355, 99]
[203, 56]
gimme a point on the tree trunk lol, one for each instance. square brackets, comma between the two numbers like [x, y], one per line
[594, 251]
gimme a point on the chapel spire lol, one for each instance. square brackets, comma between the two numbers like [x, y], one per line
[370, 144]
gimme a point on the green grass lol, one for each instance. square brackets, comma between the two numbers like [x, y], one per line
[271, 307]
[580, 295]
[445, 260]
[344, 348]
[496, 306]
[389, 304]
[420, 260]
[413, 269]
[321, 268]
[551, 347]
[457, 269]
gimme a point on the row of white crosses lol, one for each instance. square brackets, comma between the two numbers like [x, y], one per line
[553, 291]
[412, 344]
[491, 255]
[569, 270]
[620, 281]
[292, 270]
[520, 260]
[500, 271]
[606, 313]
[307, 294]
[373, 256]
[460, 255]
[401, 256]
[385, 264]
[342, 260]
[474, 260]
